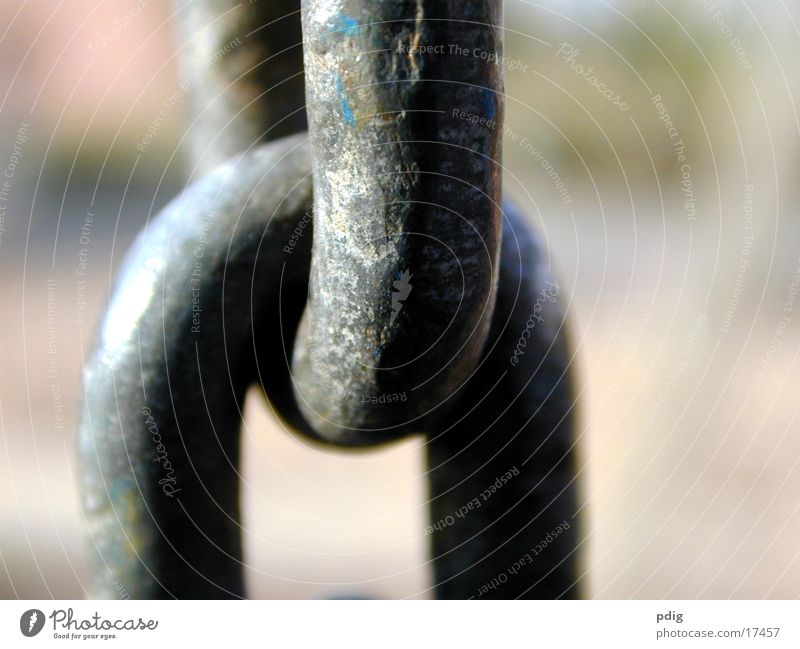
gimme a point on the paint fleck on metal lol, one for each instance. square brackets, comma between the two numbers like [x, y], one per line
[345, 25]
[489, 99]
[347, 111]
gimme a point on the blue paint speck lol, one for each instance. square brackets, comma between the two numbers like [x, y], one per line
[346, 25]
[347, 111]
[489, 99]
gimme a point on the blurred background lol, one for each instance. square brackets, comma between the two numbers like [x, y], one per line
[664, 181]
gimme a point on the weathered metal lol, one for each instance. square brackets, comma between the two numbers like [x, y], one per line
[516, 414]
[163, 391]
[413, 291]
[241, 64]
[401, 185]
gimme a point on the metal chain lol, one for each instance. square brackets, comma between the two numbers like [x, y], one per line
[400, 185]
[411, 290]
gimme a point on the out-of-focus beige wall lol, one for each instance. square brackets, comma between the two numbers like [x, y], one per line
[678, 250]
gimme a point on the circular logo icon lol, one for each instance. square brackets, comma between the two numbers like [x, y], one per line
[31, 622]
